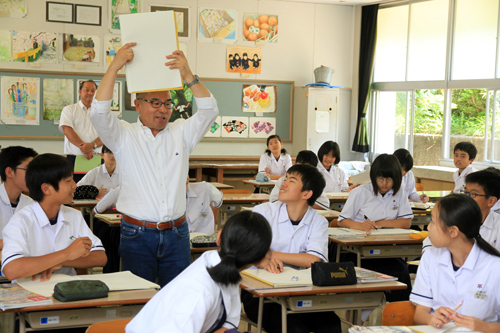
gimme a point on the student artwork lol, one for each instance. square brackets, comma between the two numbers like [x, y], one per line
[5, 45]
[113, 44]
[13, 8]
[30, 46]
[57, 93]
[262, 127]
[116, 104]
[20, 100]
[81, 48]
[218, 24]
[119, 7]
[241, 59]
[181, 18]
[182, 103]
[215, 129]
[259, 98]
[234, 127]
[260, 27]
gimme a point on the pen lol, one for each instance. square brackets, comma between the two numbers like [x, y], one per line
[458, 306]
[366, 218]
[72, 238]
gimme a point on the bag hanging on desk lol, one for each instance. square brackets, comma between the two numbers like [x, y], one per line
[80, 290]
[333, 273]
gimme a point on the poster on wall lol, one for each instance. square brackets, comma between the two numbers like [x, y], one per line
[5, 45]
[234, 127]
[260, 27]
[182, 101]
[116, 102]
[215, 129]
[30, 46]
[262, 127]
[243, 59]
[20, 100]
[13, 8]
[120, 7]
[113, 44]
[181, 18]
[57, 93]
[217, 24]
[81, 48]
[259, 98]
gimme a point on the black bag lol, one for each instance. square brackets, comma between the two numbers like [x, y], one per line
[333, 273]
[79, 290]
[86, 192]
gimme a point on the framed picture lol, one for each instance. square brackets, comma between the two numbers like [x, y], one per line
[86, 14]
[59, 12]
[181, 18]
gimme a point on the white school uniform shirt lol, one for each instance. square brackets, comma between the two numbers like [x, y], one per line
[310, 236]
[199, 215]
[335, 178]
[408, 183]
[363, 202]
[6, 210]
[278, 167]
[108, 201]
[77, 117]
[99, 176]
[192, 302]
[477, 283]
[496, 207]
[460, 179]
[153, 169]
[30, 234]
[322, 200]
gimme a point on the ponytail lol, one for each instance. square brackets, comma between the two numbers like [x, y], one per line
[226, 272]
[485, 246]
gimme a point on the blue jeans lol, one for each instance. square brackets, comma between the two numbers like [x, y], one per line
[155, 254]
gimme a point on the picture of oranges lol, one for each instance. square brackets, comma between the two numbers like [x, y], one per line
[260, 27]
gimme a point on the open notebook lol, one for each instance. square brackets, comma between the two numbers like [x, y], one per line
[340, 233]
[290, 277]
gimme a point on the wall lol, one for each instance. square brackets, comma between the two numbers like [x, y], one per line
[310, 35]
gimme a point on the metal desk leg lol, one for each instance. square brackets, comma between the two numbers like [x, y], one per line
[339, 249]
[358, 254]
[22, 323]
[260, 313]
[283, 315]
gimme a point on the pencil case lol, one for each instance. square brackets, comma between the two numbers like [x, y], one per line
[333, 273]
[80, 290]
[86, 192]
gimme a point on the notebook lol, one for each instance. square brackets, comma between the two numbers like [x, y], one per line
[290, 277]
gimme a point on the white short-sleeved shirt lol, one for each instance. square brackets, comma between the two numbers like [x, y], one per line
[408, 183]
[199, 215]
[460, 179]
[153, 169]
[322, 200]
[496, 207]
[29, 234]
[477, 283]
[99, 176]
[310, 236]
[6, 210]
[77, 116]
[363, 202]
[192, 302]
[278, 167]
[335, 178]
[108, 201]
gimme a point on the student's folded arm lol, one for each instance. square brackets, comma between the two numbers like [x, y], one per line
[94, 259]
[28, 266]
[348, 223]
[1, 244]
[397, 223]
[297, 259]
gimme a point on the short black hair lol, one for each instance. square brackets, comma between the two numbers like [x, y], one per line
[106, 150]
[312, 180]
[283, 150]
[405, 158]
[326, 148]
[12, 157]
[467, 147]
[83, 82]
[488, 179]
[386, 166]
[46, 168]
[307, 157]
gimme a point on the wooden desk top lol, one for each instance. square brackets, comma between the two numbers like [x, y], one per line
[377, 240]
[109, 219]
[253, 182]
[202, 249]
[329, 214]
[245, 198]
[435, 194]
[337, 196]
[261, 289]
[84, 203]
[221, 186]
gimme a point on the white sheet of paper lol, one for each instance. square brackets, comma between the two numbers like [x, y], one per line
[322, 121]
[156, 37]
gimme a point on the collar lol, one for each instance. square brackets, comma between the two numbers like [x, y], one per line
[3, 195]
[105, 170]
[83, 105]
[489, 222]
[284, 218]
[445, 259]
[147, 130]
[42, 218]
[191, 193]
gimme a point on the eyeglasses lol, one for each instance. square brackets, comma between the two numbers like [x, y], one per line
[474, 194]
[22, 169]
[157, 104]
[383, 179]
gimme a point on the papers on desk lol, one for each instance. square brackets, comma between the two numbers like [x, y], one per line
[109, 217]
[340, 233]
[15, 297]
[115, 282]
[380, 329]
[290, 277]
[420, 205]
[367, 276]
[337, 195]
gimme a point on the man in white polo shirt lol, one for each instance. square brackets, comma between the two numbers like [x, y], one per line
[153, 155]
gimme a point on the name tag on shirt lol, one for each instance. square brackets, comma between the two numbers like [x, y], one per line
[395, 208]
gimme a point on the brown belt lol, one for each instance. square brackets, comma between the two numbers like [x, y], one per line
[154, 225]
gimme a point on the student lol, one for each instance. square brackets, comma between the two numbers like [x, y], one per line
[461, 266]
[300, 237]
[199, 215]
[303, 157]
[408, 183]
[382, 203]
[47, 237]
[205, 296]
[329, 158]
[275, 161]
[13, 163]
[464, 155]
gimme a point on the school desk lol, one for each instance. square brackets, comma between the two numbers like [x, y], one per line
[315, 299]
[221, 186]
[86, 206]
[434, 195]
[118, 305]
[421, 217]
[260, 185]
[372, 247]
[232, 203]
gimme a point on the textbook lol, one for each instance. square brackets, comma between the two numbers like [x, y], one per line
[345, 233]
[420, 205]
[290, 277]
[15, 297]
[367, 276]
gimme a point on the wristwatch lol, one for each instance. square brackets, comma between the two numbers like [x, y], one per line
[195, 81]
[95, 145]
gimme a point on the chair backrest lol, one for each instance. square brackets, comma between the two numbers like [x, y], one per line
[233, 191]
[113, 326]
[398, 314]
[419, 187]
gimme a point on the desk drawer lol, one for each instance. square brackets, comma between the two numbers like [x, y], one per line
[423, 219]
[335, 301]
[392, 250]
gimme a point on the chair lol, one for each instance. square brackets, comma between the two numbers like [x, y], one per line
[419, 187]
[398, 314]
[113, 326]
